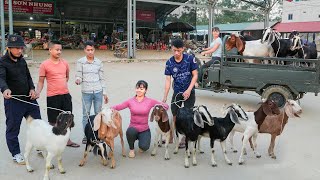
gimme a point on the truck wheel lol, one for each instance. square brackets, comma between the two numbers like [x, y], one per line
[277, 93]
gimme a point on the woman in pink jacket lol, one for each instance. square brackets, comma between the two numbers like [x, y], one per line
[140, 107]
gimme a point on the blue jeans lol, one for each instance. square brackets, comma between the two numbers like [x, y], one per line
[87, 100]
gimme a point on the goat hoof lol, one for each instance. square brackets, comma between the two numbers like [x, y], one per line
[186, 166]
[52, 166]
[123, 155]
[241, 163]
[176, 152]
[30, 170]
[153, 154]
[62, 172]
[235, 151]
[81, 164]
[274, 157]
[214, 165]
[166, 158]
[201, 152]
[194, 164]
[258, 156]
[230, 164]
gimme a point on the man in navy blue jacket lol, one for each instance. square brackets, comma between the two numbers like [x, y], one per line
[15, 79]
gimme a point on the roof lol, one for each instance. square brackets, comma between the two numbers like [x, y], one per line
[238, 26]
[313, 26]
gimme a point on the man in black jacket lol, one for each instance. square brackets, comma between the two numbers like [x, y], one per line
[15, 79]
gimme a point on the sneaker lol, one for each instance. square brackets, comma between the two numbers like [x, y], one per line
[84, 140]
[18, 158]
[131, 154]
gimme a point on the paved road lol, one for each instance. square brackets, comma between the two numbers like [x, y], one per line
[297, 149]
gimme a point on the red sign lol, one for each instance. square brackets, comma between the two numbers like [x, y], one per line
[148, 16]
[29, 6]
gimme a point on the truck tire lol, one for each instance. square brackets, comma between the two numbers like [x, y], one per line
[280, 94]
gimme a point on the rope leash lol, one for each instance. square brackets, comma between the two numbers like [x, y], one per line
[14, 97]
[175, 100]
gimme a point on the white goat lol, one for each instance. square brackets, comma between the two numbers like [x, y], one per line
[249, 48]
[52, 139]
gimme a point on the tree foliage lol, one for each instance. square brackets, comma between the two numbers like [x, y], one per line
[200, 16]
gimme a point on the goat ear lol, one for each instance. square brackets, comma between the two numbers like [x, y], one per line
[271, 38]
[152, 115]
[239, 44]
[97, 121]
[233, 116]
[266, 109]
[164, 116]
[198, 119]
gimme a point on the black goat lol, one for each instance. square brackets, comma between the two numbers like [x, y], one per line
[189, 122]
[99, 148]
[281, 47]
[220, 131]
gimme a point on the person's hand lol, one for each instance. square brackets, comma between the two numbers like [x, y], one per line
[186, 94]
[77, 82]
[106, 99]
[37, 94]
[33, 94]
[164, 99]
[202, 53]
[7, 94]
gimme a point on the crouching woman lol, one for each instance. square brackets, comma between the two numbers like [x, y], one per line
[139, 107]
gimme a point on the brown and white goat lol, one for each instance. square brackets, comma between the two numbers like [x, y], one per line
[163, 128]
[250, 127]
[249, 48]
[274, 125]
[108, 123]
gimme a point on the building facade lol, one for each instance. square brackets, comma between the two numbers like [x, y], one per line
[300, 11]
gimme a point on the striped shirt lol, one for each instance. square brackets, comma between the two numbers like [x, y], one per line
[91, 75]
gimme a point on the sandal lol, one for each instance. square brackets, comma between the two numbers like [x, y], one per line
[74, 145]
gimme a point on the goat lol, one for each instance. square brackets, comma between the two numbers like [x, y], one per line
[189, 122]
[93, 142]
[281, 47]
[163, 128]
[52, 139]
[250, 127]
[220, 131]
[108, 123]
[249, 48]
[305, 51]
[274, 125]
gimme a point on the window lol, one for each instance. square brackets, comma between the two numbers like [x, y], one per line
[290, 16]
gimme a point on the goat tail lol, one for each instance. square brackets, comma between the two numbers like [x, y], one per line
[29, 119]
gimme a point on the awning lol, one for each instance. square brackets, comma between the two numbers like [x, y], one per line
[298, 26]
